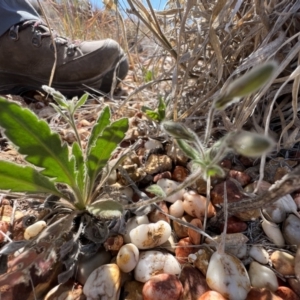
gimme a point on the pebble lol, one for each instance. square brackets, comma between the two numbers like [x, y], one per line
[183, 249]
[181, 230]
[65, 291]
[154, 262]
[4, 228]
[201, 258]
[283, 262]
[261, 294]
[211, 295]
[286, 293]
[242, 177]
[295, 285]
[234, 225]
[151, 235]
[260, 254]
[155, 215]
[194, 205]
[132, 223]
[104, 283]
[34, 229]
[262, 277]
[180, 173]
[128, 257]
[168, 186]
[133, 290]
[193, 282]
[162, 287]
[195, 237]
[291, 230]
[176, 209]
[88, 263]
[114, 243]
[158, 163]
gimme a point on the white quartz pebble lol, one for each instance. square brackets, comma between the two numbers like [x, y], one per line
[104, 283]
[260, 254]
[148, 236]
[132, 223]
[155, 262]
[34, 229]
[176, 209]
[168, 186]
[128, 257]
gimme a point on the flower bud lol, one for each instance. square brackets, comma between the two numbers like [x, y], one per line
[178, 130]
[246, 84]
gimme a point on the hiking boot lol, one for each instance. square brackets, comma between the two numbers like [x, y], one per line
[27, 58]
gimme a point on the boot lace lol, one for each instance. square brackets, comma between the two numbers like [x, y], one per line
[40, 30]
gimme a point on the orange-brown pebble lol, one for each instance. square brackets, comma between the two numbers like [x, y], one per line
[261, 294]
[166, 174]
[162, 287]
[195, 237]
[114, 243]
[242, 177]
[286, 293]
[211, 295]
[3, 227]
[183, 249]
[156, 215]
[180, 173]
[234, 225]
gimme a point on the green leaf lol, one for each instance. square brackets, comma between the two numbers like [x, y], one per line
[81, 101]
[24, 179]
[188, 150]
[102, 121]
[148, 75]
[106, 209]
[145, 108]
[178, 130]
[80, 167]
[156, 190]
[214, 171]
[106, 143]
[161, 108]
[34, 138]
[153, 115]
[247, 84]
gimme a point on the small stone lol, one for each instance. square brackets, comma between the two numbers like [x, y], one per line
[291, 230]
[132, 223]
[242, 177]
[286, 293]
[156, 215]
[176, 209]
[176, 154]
[152, 263]
[169, 186]
[166, 174]
[195, 237]
[193, 282]
[151, 235]
[34, 229]
[260, 254]
[201, 186]
[184, 249]
[234, 193]
[261, 294]
[194, 205]
[128, 257]
[88, 263]
[114, 243]
[181, 230]
[201, 259]
[4, 228]
[162, 287]
[65, 291]
[234, 225]
[180, 174]
[103, 283]
[133, 290]
[283, 262]
[158, 163]
[5, 213]
[211, 295]
[295, 285]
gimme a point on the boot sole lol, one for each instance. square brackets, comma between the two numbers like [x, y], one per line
[17, 84]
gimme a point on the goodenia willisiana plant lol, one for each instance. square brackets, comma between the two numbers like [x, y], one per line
[53, 163]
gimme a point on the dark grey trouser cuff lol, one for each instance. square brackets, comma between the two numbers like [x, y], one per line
[15, 11]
